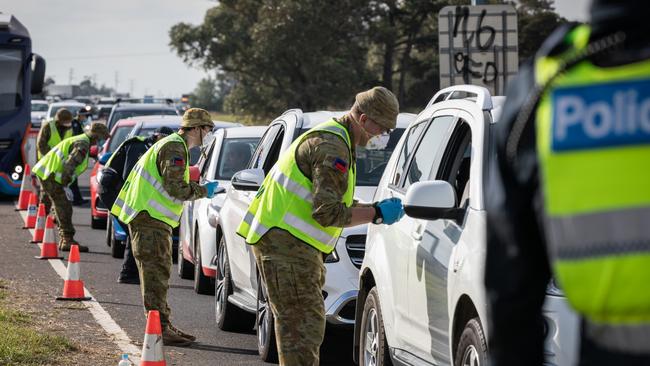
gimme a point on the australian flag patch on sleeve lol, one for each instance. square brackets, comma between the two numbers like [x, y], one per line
[178, 162]
[341, 165]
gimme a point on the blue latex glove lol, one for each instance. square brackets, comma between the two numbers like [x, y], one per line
[391, 210]
[211, 187]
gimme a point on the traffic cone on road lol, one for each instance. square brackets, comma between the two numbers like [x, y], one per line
[73, 287]
[152, 347]
[49, 248]
[26, 189]
[30, 220]
[39, 228]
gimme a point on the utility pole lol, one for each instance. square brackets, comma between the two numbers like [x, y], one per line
[117, 80]
[71, 76]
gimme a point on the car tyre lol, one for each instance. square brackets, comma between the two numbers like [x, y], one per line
[109, 231]
[229, 317]
[97, 223]
[265, 324]
[472, 347]
[373, 347]
[202, 283]
[185, 267]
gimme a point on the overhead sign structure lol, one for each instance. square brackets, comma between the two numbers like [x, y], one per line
[478, 45]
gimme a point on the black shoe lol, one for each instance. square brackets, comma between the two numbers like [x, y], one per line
[135, 280]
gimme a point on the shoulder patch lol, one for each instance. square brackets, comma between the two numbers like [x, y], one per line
[341, 165]
[176, 161]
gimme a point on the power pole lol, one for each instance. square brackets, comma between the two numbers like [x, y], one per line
[117, 80]
[71, 76]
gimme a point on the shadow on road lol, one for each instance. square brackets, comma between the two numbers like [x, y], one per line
[211, 348]
[119, 303]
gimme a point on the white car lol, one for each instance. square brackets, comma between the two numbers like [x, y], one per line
[237, 287]
[72, 105]
[421, 295]
[227, 153]
[39, 110]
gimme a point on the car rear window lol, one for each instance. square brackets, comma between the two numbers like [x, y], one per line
[118, 136]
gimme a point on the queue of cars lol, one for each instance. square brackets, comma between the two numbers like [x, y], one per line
[413, 291]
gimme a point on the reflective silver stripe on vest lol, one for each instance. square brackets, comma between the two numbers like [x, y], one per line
[59, 176]
[292, 186]
[156, 184]
[256, 226]
[601, 234]
[164, 210]
[308, 229]
[622, 338]
[334, 129]
[130, 212]
[59, 153]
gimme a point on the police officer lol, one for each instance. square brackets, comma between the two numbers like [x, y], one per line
[569, 192]
[115, 173]
[60, 166]
[299, 212]
[51, 133]
[151, 202]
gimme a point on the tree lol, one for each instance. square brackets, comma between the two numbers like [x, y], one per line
[88, 87]
[208, 95]
[536, 21]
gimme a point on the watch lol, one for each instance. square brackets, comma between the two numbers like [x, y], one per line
[379, 218]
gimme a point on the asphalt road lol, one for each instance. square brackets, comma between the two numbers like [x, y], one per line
[191, 312]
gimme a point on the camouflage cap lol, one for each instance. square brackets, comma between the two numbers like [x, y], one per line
[380, 105]
[97, 130]
[196, 117]
[63, 115]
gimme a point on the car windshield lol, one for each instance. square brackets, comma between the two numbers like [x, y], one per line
[234, 156]
[118, 137]
[11, 80]
[118, 115]
[371, 163]
[72, 108]
[39, 107]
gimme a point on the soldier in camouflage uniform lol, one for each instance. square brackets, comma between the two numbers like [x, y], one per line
[151, 239]
[293, 270]
[63, 123]
[56, 191]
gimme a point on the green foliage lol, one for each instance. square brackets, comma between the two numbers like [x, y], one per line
[208, 95]
[88, 87]
[312, 54]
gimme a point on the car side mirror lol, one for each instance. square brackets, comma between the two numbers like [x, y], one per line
[248, 179]
[93, 151]
[104, 158]
[432, 200]
[195, 173]
[38, 74]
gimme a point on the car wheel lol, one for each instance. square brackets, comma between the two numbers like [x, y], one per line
[472, 348]
[265, 324]
[185, 267]
[229, 317]
[97, 223]
[373, 347]
[202, 283]
[109, 231]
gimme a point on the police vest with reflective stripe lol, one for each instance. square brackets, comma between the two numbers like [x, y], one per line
[593, 143]
[285, 199]
[53, 161]
[144, 191]
[55, 138]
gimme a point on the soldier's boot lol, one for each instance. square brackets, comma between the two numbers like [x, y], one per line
[65, 244]
[171, 338]
[181, 333]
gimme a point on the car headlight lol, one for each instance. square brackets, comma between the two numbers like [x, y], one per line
[98, 177]
[553, 288]
[332, 257]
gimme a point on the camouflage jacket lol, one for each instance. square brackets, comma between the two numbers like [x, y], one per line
[78, 153]
[171, 165]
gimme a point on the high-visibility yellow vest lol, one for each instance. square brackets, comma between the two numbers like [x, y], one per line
[53, 161]
[144, 191]
[55, 138]
[285, 199]
[593, 143]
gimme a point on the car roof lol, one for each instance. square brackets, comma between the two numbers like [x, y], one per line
[477, 94]
[39, 101]
[311, 119]
[142, 106]
[123, 123]
[247, 131]
[67, 103]
[171, 123]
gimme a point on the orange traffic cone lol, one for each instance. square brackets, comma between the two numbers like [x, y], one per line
[49, 248]
[40, 225]
[30, 220]
[152, 351]
[26, 189]
[73, 287]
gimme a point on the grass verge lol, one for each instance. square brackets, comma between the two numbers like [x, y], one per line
[21, 340]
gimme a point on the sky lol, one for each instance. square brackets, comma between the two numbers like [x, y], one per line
[124, 43]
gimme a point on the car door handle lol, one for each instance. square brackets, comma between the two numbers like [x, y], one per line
[417, 233]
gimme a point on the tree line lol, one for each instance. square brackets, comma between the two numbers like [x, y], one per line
[265, 56]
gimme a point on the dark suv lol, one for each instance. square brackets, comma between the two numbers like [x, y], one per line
[128, 110]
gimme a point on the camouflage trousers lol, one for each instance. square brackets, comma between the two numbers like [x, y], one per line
[45, 200]
[151, 243]
[62, 207]
[294, 275]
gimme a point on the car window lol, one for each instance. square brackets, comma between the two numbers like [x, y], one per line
[264, 146]
[371, 163]
[274, 152]
[39, 107]
[72, 109]
[118, 115]
[407, 150]
[455, 165]
[423, 160]
[206, 157]
[118, 137]
[234, 156]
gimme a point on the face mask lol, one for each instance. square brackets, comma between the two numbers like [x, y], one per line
[378, 142]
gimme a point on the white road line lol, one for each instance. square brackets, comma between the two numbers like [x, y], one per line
[103, 318]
